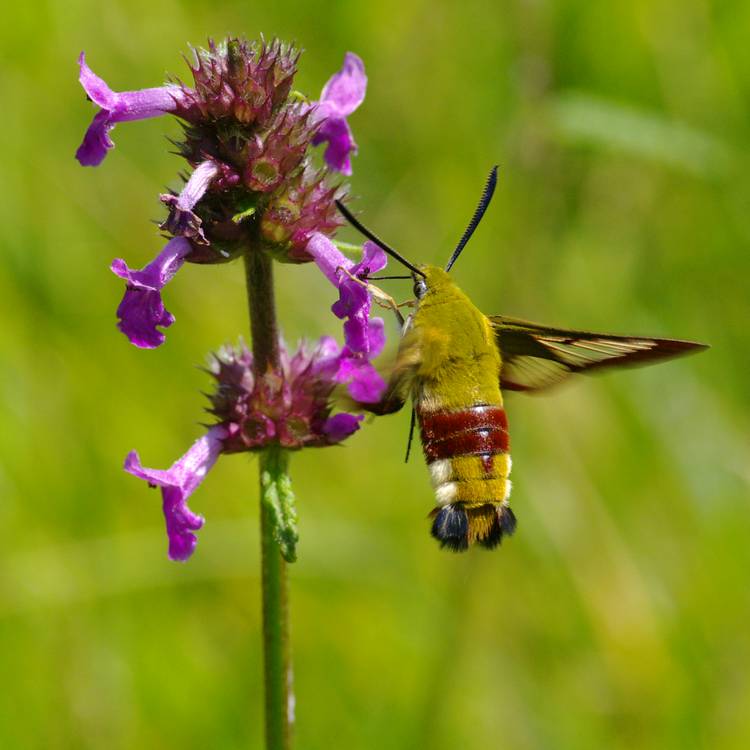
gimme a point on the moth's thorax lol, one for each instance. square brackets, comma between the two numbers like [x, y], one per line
[459, 360]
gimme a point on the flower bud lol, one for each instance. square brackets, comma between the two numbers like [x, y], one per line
[305, 206]
[240, 80]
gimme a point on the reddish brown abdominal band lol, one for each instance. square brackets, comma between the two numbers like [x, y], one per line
[480, 430]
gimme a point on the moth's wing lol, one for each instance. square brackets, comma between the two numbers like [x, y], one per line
[535, 357]
[402, 379]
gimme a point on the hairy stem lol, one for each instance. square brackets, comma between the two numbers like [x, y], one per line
[274, 482]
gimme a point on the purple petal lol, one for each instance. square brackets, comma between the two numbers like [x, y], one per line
[143, 104]
[96, 89]
[376, 337]
[336, 132]
[326, 358]
[327, 347]
[178, 483]
[356, 334]
[138, 316]
[195, 188]
[361, 334]
[373, 260]
[345, 90]
[340, 426]
[353, 297]
[142, 309]
[343, 93]
[96, 141]
[129, 105]
[160, 270]
[118, 107]
[364, 383]
[328, 257]
[182, 221]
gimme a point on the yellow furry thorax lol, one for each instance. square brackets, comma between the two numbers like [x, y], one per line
[459, 363]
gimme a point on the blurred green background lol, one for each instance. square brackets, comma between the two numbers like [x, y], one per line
[617, 616]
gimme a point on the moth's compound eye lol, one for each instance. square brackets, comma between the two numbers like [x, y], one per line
[420, 288]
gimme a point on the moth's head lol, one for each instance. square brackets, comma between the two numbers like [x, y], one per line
[431, 279]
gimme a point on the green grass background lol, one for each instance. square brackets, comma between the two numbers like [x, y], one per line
[617, 617]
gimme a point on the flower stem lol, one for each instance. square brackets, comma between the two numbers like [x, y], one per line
[277, 664]
[262, 305]
[277, 661]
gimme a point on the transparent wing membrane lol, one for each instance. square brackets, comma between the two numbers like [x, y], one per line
[536, 357]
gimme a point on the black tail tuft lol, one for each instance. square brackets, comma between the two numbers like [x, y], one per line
[503, 524]
[457, 527]
[507, 519]
[451, 527]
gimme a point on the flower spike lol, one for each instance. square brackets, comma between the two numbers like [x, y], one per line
[252, 188]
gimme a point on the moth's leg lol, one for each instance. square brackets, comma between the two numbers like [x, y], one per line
[382, 298]
[386, 301]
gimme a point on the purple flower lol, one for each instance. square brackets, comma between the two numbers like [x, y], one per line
[343, 93]
[177, 484]
[290, 406]
[118, 107]
[142, 309]
[181, 220]
[342, 425]
[364, 338]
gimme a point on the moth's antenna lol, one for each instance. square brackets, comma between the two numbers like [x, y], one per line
[370, 236]
[484, 201]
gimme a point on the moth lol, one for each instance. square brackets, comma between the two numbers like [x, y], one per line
[455, 362]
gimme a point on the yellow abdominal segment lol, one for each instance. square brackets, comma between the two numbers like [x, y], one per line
[472, 467]
[465, 479]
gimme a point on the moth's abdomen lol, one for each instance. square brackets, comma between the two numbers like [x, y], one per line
[467, 454]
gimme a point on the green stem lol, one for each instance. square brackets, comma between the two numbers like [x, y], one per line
[277, 660]
[274, 481]
[262, 305]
